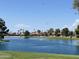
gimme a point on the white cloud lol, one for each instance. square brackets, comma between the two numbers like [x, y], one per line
[65, 26]
[75, 23]
[15, 27]
[73, 26]
[21, 26]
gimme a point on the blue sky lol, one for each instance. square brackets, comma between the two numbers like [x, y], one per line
[37, 14]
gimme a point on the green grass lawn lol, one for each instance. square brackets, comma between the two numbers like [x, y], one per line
[29, 55]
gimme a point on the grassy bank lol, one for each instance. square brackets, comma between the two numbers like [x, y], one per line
[51, 37]
[27, 55]
[64, 38]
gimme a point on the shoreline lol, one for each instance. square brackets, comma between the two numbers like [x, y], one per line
[63, 38]
[49, 37]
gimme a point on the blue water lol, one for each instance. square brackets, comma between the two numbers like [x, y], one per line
[41, 45]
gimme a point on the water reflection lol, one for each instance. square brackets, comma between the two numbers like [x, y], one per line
[3, 46]
[77, 49]
[66, 42]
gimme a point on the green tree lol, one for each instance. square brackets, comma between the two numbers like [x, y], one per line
[77, 31]
[57, 32]
[71, 34]
[39, 31]
[65, 32]
[45, 34]
[26, 33]
[3, 29]
[76, 5]
[50, 31]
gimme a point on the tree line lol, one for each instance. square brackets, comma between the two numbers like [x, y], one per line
[65, 32]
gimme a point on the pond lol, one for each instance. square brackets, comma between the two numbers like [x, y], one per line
[41, 45]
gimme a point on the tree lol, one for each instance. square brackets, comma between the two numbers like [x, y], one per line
[39, 31]
[65, 32]
[71, 34]
[57, 32]
[76, 5]
[77, 31]
[50, 31]
[3, 29]
[26, 33]
[45, 34]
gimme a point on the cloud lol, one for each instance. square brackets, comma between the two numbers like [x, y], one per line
[75, 23]
[22, 26]
[73, 26]
[65, 26]
[15, 27]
